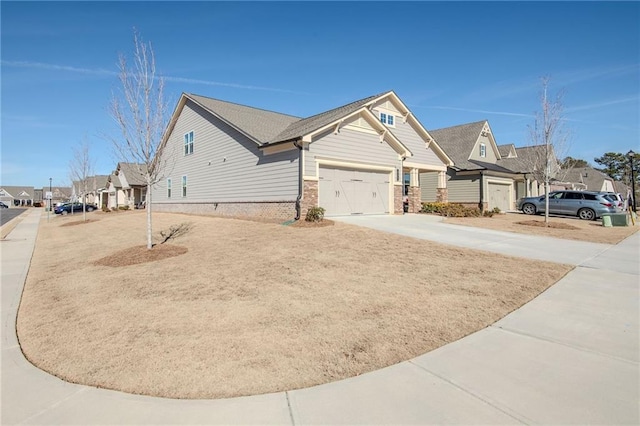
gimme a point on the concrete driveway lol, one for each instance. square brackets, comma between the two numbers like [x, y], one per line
[568, 357]
[430, 227]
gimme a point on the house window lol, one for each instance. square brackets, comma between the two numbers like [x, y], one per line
[387, 119]
[169, 188]
[483, 150]
[184, 186]
[188, 143]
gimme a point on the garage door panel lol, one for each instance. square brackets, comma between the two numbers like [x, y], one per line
[499, 196]
[346, 191]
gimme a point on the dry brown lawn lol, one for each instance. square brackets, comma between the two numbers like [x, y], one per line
[561, 227]
[252, 308]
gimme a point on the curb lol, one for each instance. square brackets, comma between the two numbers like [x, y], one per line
[9, 226]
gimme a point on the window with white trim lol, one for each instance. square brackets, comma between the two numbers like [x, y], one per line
[184, 186]
[388, 119]
[169, 188]
[483, 150]
[188, 143]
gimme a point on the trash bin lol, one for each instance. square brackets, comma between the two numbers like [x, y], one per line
[606, 221]
[615, 219]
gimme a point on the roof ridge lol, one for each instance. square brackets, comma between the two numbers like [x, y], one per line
[461, 125]
[244, 106]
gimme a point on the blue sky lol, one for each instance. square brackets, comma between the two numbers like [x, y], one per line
[451, 63]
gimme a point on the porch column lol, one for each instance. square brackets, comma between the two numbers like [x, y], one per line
[415, 202]
[442, 193]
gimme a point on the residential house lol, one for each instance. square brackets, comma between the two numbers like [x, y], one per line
[484, 174]
[92, 192]
[115, 195]
[19, 196]
[234, 160]
[133, 183]
[588, 179]
[476, 178]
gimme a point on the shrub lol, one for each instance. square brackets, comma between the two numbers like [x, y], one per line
[105, 209]
[450, 210]
[125, 207]
[496, 210]
[488, 213]
[315, 214]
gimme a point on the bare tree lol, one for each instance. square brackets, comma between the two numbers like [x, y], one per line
[80, 172]
[550, 141]
[140, 111]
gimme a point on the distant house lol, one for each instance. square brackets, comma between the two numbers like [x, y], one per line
[92, 191]
[133, 184]
[234, 160]
[483, 173]
[587, 178]
[114, 194]
[19, 196]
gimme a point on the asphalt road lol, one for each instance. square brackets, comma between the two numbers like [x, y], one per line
[7, 214]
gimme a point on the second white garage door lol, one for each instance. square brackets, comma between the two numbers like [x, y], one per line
[347, 191]
[499, 196]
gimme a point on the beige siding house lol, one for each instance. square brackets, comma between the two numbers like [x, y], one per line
[234, 160]
[484, 174]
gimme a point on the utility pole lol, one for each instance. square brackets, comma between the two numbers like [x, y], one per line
[631, 154]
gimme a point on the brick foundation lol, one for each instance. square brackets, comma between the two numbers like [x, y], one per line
[272, 211]
[415, 204]
[397, 200]
[309, 197]
[442, 195]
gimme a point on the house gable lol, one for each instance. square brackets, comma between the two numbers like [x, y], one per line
[485, 139]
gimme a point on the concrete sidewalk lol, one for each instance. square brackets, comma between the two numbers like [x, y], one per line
[569, 356]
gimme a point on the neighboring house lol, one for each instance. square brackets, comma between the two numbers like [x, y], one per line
[22, 196]
[92, 191]
[476, 177]
[132, 181]
[587, 178]
[115, 194]
[233, 160]
[59, 194]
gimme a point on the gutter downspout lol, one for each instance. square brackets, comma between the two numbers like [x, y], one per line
[300, 183]
[481, 191]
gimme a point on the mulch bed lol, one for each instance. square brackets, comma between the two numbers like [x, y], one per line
[539, 223]
[79, 222]
[140, 254]
[305, 224]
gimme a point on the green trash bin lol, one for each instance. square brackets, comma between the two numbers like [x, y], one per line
[606, 221]
[620, 219]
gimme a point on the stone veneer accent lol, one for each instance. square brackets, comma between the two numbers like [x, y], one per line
[274, 211]
[309, 197]
[397, 200]
[442, 195]
[415, 203]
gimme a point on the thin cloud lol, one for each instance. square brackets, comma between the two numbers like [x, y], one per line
[102, 71]
[513, 114]
[604, 104]
[54, 67]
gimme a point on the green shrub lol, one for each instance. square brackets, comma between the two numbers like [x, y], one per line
[450, 210]
[488, 213]
[315, 214]
[125, 207]
[496, 210]
[105, 209]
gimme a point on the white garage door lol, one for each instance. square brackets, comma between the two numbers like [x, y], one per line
[499, 196]
[347, 191]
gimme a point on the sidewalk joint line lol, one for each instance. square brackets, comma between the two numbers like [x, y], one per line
[568, 345]
[293, 421]
[54, 405]
[514, 415]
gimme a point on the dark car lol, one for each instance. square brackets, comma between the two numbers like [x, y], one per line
[66, 208]
[3, 205]
[584, 204]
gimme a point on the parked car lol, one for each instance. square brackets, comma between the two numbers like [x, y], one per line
[3, 205]
[66, 208]
[616, 199]
[587, 205]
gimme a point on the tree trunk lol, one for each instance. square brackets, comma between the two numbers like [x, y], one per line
[147, 207]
